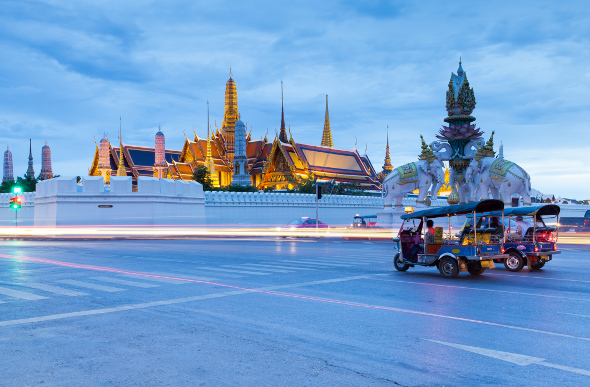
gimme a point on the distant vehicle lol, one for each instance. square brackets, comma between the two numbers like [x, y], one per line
[364, 221]
[302, 225]
[575, 224]
[474, 251]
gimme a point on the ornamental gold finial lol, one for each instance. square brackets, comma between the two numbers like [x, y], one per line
[427, 153]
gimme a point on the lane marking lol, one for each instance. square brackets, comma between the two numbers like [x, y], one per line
[536, 277]
[91, 286]
[53, 289]
[125, 282]
[20, 294]
[577, 315]
[291, 267]
[233, 271]
[147, 275]
[521, 360]
[239, 291]
[247, 266]
[315, 263]
[480, 289]
[155, 279]
[323, 262]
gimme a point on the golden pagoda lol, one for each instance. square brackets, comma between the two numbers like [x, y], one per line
[231, 116]
[327, 135]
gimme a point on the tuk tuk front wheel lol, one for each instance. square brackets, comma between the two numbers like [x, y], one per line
[514, 262]
[538, 265]
[399, 264]
[448, 267]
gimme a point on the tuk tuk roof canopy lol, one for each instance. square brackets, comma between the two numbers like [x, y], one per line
[458, 209]
[366, 216]
[546, 209]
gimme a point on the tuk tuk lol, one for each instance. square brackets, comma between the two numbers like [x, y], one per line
[364, 221]
[473, 250]
[529, 240]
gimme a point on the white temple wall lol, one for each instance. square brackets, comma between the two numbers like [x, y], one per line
[61, 202]
[276, 209]
[25, 213]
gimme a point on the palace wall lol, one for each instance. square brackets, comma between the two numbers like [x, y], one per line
[276, 209]
[61, 202]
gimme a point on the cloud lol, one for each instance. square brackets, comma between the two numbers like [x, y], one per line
[70, 69]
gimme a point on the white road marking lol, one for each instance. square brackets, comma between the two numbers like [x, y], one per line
[169, 302]
[164, 280]
[481, 289]
[577, 315]
[524, 275]
[124, 282]
[290, 267]
[248, 266]
[19, 294]
[53, 289]
[280, 267]
[233, 271]
[316, 263]
[91, 286]
[521, 360]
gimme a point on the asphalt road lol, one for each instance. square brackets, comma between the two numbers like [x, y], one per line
[227, 312]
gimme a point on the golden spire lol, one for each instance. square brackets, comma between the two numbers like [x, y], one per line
[209, 163]
[427, 153]
[283, 135]
[327, 136]
[230, 116]
[121, 170]
[387, 166]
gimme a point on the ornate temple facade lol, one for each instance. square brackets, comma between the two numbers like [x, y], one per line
[280, 163]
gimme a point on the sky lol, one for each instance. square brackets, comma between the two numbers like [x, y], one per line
[70, 70]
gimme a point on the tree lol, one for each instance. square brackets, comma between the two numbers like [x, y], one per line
[201, 175]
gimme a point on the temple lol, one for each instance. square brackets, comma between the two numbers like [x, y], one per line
[280, 163]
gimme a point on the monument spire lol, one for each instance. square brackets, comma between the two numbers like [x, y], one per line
[121, 170]
[30, 170]
[387, 165]
[209, 163]
[283, 132]
[230, 116]
[327, 135]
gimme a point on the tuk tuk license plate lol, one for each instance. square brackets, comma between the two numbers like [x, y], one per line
[544, 258]
[486, 263]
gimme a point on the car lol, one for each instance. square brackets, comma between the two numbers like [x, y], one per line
[300, 226]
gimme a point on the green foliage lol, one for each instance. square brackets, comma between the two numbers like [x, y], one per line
[26, 184]
[565, 202]
[240, 188]
[201, 175]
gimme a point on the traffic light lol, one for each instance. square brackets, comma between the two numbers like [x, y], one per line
[17, 190]
[319, 191]
[15, 203]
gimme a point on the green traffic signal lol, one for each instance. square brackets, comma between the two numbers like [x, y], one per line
[17, 190]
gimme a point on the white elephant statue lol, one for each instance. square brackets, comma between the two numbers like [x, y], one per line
[420, 175]
[501, 178]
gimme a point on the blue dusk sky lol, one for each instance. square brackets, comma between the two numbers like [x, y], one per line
[70, 69]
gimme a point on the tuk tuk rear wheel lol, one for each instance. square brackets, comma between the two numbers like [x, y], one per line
[514, 262]
[538, 265]
[476, 271]
[448, 267]
[399, 264]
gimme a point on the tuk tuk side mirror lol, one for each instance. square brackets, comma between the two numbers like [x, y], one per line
[396, 239]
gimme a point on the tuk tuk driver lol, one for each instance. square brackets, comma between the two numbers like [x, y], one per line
[428, 239]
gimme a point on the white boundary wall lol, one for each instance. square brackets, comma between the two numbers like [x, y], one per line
[61, 202]
[277, 209]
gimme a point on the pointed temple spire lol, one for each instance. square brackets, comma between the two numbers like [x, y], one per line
[387, 165]
[121, 170]
[46, 171]
[460, 69]
[30, 170]
[230, 116]
[283, 133]
[8, 166]
[327, 135]
[209, 163]
[160, 164]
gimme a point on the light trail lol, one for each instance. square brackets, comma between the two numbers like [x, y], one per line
[295, 296]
